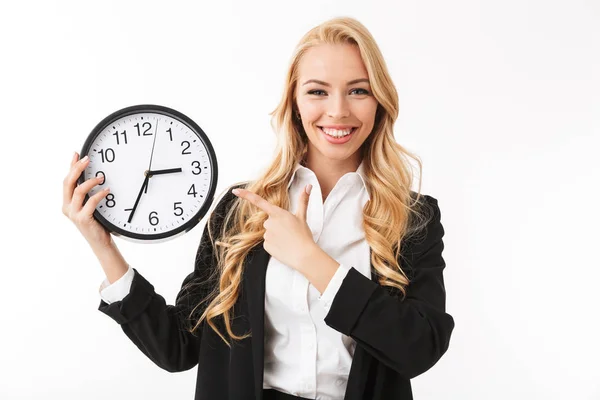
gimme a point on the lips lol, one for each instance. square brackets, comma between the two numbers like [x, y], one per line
[337, 129]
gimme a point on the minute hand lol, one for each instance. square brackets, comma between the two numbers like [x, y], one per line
[137, 200]
[164, 171]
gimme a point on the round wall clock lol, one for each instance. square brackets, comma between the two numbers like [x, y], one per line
[161, 170]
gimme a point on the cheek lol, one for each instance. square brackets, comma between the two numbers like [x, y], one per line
[310, 112]
[365, 112]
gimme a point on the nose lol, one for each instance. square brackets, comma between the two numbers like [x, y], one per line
[338, 108]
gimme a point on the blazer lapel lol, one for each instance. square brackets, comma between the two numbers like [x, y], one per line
[254, 281]
[254, 274]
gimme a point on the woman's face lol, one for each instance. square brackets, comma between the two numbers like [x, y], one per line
[333, 91]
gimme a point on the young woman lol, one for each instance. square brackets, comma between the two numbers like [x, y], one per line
[334, 293]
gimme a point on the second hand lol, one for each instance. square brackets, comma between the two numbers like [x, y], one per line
[151, 154]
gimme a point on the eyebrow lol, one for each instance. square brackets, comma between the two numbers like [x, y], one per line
[327, 84]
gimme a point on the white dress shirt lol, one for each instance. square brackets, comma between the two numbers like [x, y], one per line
[303, 355]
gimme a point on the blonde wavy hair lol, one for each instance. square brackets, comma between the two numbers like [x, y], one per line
[387, 217]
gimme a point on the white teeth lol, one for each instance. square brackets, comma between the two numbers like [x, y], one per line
[337, 132]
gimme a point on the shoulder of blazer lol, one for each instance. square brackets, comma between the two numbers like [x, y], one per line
[205, 275]
[428, 208]
[223, 202]
[429, 232]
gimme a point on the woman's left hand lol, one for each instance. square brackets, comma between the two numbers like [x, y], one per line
[288, 237]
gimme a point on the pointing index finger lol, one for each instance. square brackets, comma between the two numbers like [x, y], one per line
[256, 200]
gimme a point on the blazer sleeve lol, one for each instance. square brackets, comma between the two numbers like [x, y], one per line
[160, 330]
[408, 335]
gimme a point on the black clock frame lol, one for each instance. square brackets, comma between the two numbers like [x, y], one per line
[153, 108]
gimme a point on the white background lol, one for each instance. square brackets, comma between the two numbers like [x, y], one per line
[501, 100]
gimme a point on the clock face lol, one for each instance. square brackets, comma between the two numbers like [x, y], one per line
[161, 170]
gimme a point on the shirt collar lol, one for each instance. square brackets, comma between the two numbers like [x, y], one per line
[360, 171]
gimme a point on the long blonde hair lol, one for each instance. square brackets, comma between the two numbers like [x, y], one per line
[387, 216]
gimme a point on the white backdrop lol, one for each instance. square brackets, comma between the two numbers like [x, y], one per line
[499, 99]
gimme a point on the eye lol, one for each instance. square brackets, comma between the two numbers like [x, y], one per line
[364, 91]
[317, 90]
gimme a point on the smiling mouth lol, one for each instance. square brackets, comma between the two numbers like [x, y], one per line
[337, 133]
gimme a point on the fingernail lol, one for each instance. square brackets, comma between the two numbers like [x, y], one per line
[235, 191]
[84, 159]
[308, 188]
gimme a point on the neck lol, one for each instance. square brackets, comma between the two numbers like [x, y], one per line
[329, 171]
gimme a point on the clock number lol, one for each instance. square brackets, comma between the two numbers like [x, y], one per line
[153, 218]
[116, 134]
[197, 166]
[144, 125]
[170, 134]
[109, 153]
[192, 190]
[110, 200]
[188, 146]
[103, 177]
[175, 207]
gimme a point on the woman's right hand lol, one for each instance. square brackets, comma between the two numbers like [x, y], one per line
[73, 207]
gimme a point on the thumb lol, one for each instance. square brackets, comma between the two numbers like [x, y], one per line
[303, 203]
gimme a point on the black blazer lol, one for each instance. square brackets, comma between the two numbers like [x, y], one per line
[396, 340]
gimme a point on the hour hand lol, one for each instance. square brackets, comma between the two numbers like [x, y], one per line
[161, 172]
[164, 171]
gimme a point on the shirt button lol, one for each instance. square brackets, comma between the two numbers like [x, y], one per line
[340, 381]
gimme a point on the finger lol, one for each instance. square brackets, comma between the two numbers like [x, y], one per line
[258, 201]
[81, 190]
[303, 203]
[70, 180]
[94, 200]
